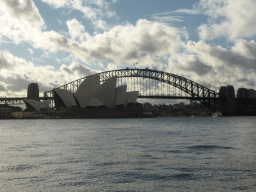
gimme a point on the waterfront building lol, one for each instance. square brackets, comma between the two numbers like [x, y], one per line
[90, 93]
[146, 107]
[131, 97]
[106, 92]
[33, 91]
[193, 103]
[86, 90]
[63, 98]
[121, 95]
[228, 105]
[37, 105]
[246, 93]
[241, 93]
[252, 93]
[230, 91]
[222, 92]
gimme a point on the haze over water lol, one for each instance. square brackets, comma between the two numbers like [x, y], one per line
[160, 154]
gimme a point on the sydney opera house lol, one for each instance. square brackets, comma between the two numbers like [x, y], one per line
[92, 99]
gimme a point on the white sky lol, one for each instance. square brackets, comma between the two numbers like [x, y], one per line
[53, 42]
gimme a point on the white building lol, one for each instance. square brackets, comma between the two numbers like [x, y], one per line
[92, 93]
[64, 98]
[86, 90]
[37, 105]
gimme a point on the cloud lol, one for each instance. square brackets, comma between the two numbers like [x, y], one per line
[121, 45]
[219, 56]
[18, 31]
[57, 3]
[23, 10]
[75, 28]
[193, 64]
[111, 67]
[167, 17]
[170, 17]
[3, 87]
[214, 66]
[18, 73]
[100, 24]
[76, 70]
[194, 11]
[245, 48]
[24, 29]
[95, 10]
[124, 45]
[30, 51]
[20, 20]
[150, 43]
[5, 61]
[92, 9]
[231, 18]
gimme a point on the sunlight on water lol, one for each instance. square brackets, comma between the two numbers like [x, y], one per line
[161, 154]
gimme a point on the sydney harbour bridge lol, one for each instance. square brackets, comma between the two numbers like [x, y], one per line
[151, 84]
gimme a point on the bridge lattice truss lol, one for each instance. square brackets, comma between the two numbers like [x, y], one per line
[139, 79]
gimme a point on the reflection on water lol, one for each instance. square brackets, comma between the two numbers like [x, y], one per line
[163, 154]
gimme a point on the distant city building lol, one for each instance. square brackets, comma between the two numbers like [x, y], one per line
[241, 93]
[33, 91]
[252, 93]
[36, 105]
[146, 107]
[227, 91]
[182, 103]
[246, 93]
[227, 105]
[230, 91]
[5, 108]
[222, 92]
[193, 103]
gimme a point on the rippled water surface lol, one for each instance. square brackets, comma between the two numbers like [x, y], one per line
[161, 154]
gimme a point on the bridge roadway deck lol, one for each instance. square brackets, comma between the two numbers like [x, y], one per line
[18, 100]
[178, 97]
[140, 96]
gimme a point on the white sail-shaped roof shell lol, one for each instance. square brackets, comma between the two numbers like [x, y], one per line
[37, 105]
[89, 85]
[106, 92]
[67, 97]
[95, 103]
[83, 99]
[87, 89]
[121, 95]
[46, 103]
[132, 96]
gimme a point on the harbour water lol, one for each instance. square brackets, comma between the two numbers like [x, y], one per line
[159, 154]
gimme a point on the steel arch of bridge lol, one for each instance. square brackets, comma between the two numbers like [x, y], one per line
[193, 89]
